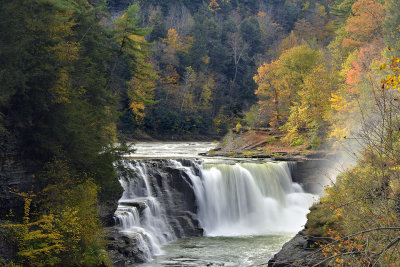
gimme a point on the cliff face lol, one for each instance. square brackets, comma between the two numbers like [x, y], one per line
[15, 175]
[297, 252]
[312, 174]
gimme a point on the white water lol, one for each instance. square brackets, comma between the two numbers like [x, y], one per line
[249, 199]
[170, 150]
[150, 228]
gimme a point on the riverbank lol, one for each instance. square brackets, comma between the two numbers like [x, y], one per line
[140, 136]
[299, 251]
[266, 143]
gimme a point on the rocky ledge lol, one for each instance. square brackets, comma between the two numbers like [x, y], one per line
[297, 252]
[122, 250]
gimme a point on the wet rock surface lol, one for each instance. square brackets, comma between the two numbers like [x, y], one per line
[15, 174]
[297, 252]
[122, 249]
[182, 261]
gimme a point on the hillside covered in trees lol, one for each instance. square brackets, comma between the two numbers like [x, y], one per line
[206, 54]
[78, 78]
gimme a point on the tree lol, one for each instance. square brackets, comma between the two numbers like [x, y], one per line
[239, 50]
[341, 9]
[292, 40]
[188, 89]
[280, 82]
[272, 93]
[392, 23]
[250, 31]
[365, 24]
[175, 43]
[310, 115]
[133, 47]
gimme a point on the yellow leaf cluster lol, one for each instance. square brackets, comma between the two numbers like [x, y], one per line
[175, 42]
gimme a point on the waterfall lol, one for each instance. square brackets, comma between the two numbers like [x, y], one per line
[140, 213]
[250, 199]
[230, 199]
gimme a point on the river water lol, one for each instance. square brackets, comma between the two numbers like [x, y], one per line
[247, 208]
[221, 251]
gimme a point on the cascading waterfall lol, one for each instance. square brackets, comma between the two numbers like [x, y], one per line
[233, 199]
[140, 214]
[250, 199]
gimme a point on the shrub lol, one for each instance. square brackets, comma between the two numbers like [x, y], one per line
[298, 141]
[238, 127]
[315, 142]
[250, 153]
[271, 139]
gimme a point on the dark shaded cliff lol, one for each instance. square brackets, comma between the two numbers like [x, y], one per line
[15, 175]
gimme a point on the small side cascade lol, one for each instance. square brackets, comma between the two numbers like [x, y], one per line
[140, 214]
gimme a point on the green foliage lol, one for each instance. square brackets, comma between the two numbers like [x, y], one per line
[298, 141]
[223, 45]
[342, 9]
[271, 140]
[315, 142]
[250, 118]
[249, 153]
[67, 230]
[320, 220]
[59, 95]
[238, 127]
[392, 23]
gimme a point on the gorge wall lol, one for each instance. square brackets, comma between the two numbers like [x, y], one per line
[15, 175]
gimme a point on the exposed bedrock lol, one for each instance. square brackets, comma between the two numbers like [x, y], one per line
[314, 174]
[297, 252]
[15, 175]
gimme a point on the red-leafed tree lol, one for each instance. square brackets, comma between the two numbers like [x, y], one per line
[366, 23]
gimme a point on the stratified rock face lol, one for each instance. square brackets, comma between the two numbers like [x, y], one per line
[14, 176]
[106, 211]
[122, 249]
[312, 174]
[169, 183]
[158, 206]
[297, 252]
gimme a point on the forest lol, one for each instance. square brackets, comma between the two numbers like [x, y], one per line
[78, 79]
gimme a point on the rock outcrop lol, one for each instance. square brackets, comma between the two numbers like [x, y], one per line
[312, 174]
[122, 249]
[15, 175]
[297, 252]
[106, 209]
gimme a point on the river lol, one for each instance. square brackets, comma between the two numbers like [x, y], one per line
[247, 208]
